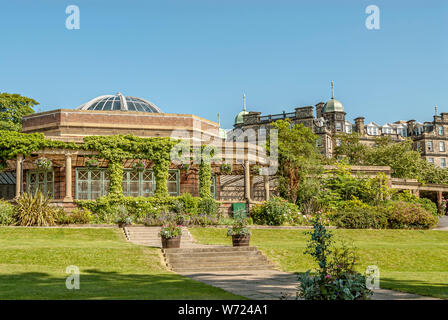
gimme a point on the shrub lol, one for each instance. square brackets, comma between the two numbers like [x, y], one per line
[141, 209]
[6, 213]
[368, 217]
[61, 217]
[426, 203]
[190, 203]
[34, 209]
[335, 278]
[405, 215]
[275, 212]
[80, 216]
[208, 206]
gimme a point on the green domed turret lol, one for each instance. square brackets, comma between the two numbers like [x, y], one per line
[239, 117]
[333, 105]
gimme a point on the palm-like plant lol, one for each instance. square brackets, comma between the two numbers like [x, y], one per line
[34, 209]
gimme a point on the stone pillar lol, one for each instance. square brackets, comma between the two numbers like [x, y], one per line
[247, 179]
[266, 187]
[439, 200]
[19, 180]
[68, 178]
[417, 193]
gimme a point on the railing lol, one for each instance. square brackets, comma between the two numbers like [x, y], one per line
[273, 117]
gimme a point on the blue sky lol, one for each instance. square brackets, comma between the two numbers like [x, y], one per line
[199, 56]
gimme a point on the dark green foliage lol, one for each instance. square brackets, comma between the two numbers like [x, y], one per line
[300, 162]
[404, 215]
[408, 165]
[208, 206]
[13, 107]
[427, 204]
[275, 212]
[335, 278]
[368, 217]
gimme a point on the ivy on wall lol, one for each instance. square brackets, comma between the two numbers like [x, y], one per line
[205, 179]
[115, 149]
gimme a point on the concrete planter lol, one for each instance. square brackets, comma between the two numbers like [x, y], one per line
[171, 242]
[240, 241]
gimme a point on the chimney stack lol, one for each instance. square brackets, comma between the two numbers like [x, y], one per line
[319, 108]
[359, 123]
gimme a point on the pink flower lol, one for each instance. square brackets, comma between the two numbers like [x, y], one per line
[328, 276]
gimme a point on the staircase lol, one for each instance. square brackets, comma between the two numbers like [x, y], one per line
[149, 236]
[192, 257]
[215, 258]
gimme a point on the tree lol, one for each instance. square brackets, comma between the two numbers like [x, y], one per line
[404, 161]
[299, 162]
[350, 147]
[13, 107]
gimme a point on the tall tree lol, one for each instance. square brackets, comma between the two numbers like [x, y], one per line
[13, 107]
[299, 162]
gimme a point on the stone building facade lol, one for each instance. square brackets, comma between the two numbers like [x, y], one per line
[329, 119]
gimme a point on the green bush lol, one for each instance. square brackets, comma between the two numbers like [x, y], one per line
[426, 203]
[140, 209]
[208, 206]
[367, 217]
[61, 217]
[6, 213]
[34, 209]
[405, 215]
[190, 203]
[80, 216]
[275, 212]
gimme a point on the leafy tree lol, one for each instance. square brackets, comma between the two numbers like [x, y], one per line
[351, 148]
[404, 161]
[299, 162]
[13, 107]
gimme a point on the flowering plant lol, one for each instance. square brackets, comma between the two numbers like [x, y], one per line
[93, 163]
[170, 231]
[239, 228]
[43, 163]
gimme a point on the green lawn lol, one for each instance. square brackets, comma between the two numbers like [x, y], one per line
[33, 263]
[409, 260]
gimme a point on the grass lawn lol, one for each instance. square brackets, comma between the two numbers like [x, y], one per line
[409, 260]
[33, 262]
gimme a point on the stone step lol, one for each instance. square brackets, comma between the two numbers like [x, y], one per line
[216, 257]
[131, 237]
[223, 261]
[210, 255]
[210, 249]
[225, 268]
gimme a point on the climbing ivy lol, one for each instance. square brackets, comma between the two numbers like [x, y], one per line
[116, 178]
[205, 179]
[115, 149]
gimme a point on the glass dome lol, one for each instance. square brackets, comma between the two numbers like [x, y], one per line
[119, 102]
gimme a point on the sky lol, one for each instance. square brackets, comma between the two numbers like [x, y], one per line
[200, 56]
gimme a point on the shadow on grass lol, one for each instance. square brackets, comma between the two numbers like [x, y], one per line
[421, 287]
[96, 284]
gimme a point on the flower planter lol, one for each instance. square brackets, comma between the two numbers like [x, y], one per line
[171, 242]
[240, 241]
